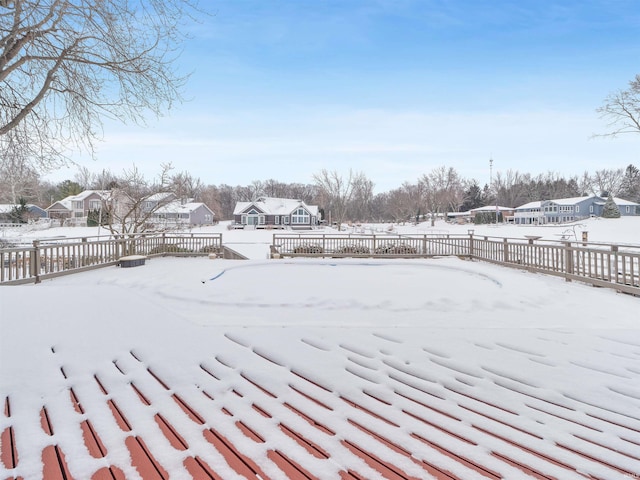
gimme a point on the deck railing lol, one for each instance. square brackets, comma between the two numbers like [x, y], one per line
[605, 265]
[53, 257]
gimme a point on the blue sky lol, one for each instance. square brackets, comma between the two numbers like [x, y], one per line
[281, 89]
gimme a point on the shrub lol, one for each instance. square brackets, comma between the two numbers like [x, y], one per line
[168, 248]
[353, 249]
[395, 249]
[308, 248]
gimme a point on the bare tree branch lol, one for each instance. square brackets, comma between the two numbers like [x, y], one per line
[67, 64]
[622, 110]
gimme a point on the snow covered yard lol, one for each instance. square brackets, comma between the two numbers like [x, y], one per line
[198, 368]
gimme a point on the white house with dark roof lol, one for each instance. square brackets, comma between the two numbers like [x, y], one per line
[564, 210]
[269, 212]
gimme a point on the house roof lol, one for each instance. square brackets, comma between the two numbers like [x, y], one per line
[8, 207]
[177, 207]
[529, 205]
[160, 196]
[275, 206]
[67, 201]
[623, 202]
[491, 208]
[574, 200]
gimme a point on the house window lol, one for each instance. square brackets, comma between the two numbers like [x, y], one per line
[94, 204]
[78, 205]
[261, 219]
[277, 219]
[286, 220]
[300, 216]
[577, 208]
[590, 208]
[628, 209]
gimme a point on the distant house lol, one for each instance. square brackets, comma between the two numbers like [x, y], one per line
[177, 213]
[35, 212]
[469, 216]
[76, 208]
[158, 200]
[268, 212]
[564, 210]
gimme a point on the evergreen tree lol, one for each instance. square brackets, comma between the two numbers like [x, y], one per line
[610, 210]
[20, 212]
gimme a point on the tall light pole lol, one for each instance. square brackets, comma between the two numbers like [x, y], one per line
[491, 185]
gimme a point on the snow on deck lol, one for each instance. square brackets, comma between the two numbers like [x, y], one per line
[192, 368]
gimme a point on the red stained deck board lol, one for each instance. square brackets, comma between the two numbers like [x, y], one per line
[479, 469]
[191, 413]
[388, 471]
[532, 451]
[8, 452]
[118, 416]
[307, 444]
[111, 473]
[198, 469]
[54, 464]
[526, 469]
[289, 467]
[432, 469]
[144, 462]
[169, 431]
[236, 460]
[91, 440]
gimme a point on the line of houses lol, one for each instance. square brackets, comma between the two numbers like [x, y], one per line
[167, 209]
[560, 210]
[284, 213]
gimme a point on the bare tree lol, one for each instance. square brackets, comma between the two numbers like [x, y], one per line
[130, 208]
[444, 191]
[186, 186]
[67, 64]
[17, 179]
[621, 110]
[402, 203]
[336, 193]
[607, 182]
[360, 205]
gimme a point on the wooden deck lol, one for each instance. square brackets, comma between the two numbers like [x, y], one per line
[380, 415]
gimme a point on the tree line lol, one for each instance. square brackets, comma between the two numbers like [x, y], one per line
[342, 196]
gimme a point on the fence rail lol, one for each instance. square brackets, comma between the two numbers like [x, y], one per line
[604, 265]
[49, 258]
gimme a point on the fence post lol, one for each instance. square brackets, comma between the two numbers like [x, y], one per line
[35, 261]
[568, 260]
[505, 250]
[614, 249]
[471, 244]
[83, 256]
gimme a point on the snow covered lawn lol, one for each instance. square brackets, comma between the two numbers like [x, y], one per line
[198, 368]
